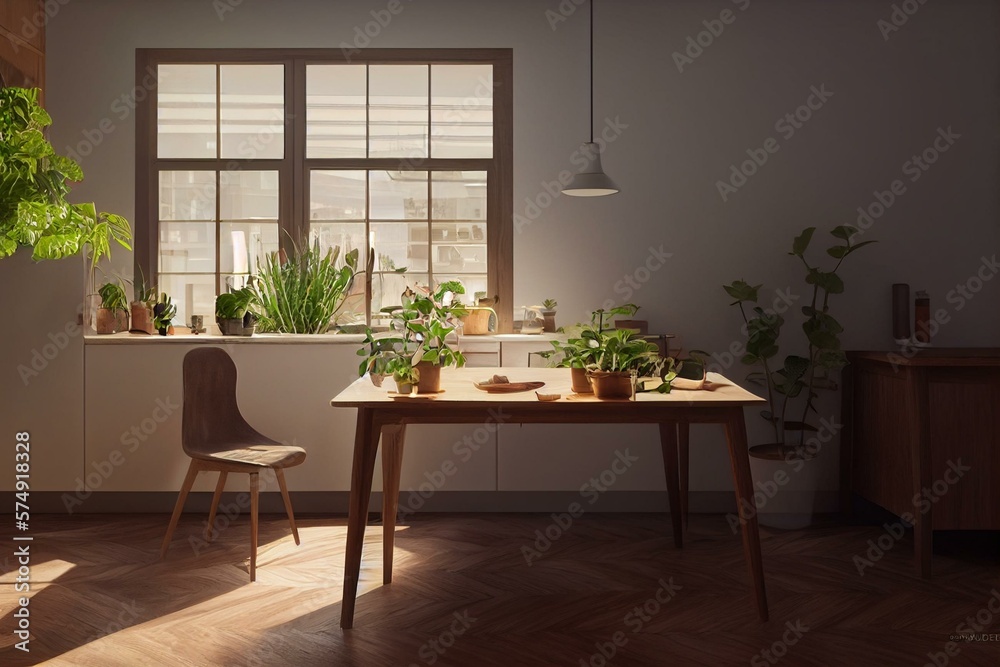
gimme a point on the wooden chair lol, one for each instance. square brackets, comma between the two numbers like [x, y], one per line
[218, 439]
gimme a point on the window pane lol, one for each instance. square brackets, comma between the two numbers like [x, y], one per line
[471, 283]
[233, 281]
[462, 111]
[187, 195]
[336, 110]
[192, 294]
[459, 195]
[187, 247]
[244, 245]
[337, 195]
[387, 291]
[398, 195]
[252, 110]
[398, 111]
[455, 249]
[249, 195]
[347, 236]
[185, 111]
[400, 244]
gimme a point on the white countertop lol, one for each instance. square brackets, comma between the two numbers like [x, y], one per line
[281, 339]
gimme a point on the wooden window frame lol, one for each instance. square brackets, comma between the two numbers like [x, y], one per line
[293, 213]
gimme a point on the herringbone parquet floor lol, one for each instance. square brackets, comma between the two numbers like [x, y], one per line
[464, 595]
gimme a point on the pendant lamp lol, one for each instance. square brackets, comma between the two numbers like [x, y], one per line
[592, 181]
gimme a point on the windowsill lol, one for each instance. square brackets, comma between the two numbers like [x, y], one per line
[278, 339]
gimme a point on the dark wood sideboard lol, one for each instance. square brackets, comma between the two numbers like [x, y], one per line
[910, 420]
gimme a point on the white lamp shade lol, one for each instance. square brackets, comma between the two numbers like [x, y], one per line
[592, 181]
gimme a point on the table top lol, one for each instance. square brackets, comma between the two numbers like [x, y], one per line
[459, 391]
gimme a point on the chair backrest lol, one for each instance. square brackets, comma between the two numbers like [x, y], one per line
[211, 418]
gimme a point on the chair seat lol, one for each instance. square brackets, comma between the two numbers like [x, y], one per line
[264, 456]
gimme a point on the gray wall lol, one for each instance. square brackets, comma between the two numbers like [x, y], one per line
[684, 131]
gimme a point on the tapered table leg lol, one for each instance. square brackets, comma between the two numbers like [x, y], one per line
[919, 425]
[365, 448]
[668, 442]
[683, 449]
[736, 436]
[392, 465]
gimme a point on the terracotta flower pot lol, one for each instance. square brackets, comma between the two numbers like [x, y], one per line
[581, 384]
[611, 384]
[107, 321]
[430, 378]
[142, 318]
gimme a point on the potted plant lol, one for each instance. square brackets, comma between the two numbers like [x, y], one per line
[620, 358]
[378, 356]
[112, 316]
[431, 318]
[417, 338]
[549, 315]
[144, 298]
[233, 312]
[34, 182]
[581, 347]
[163, 312]
[798, 377]
[302, 293]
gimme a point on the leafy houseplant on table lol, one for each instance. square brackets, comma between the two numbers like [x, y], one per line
[112, 316]
[606, 361]
[302, 294]
[233, 312]
[798, 377]
[163, 312]
[33, 187]
[404, 374]
[416, 346]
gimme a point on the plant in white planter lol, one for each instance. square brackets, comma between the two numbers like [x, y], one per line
[792, 385]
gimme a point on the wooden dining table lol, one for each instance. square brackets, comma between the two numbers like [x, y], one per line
[383, 415]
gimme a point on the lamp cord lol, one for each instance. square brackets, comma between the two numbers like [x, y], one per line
[591, 71]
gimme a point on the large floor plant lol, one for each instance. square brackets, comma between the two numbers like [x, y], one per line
[303, 292]
[797, 377]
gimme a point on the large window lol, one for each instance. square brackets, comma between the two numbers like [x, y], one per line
[403, 154]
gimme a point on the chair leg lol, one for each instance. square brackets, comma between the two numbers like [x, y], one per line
[179, 507]
[215, 504]
[280, 474]
[254, 484]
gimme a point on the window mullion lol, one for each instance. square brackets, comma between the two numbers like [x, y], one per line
[218, 181]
